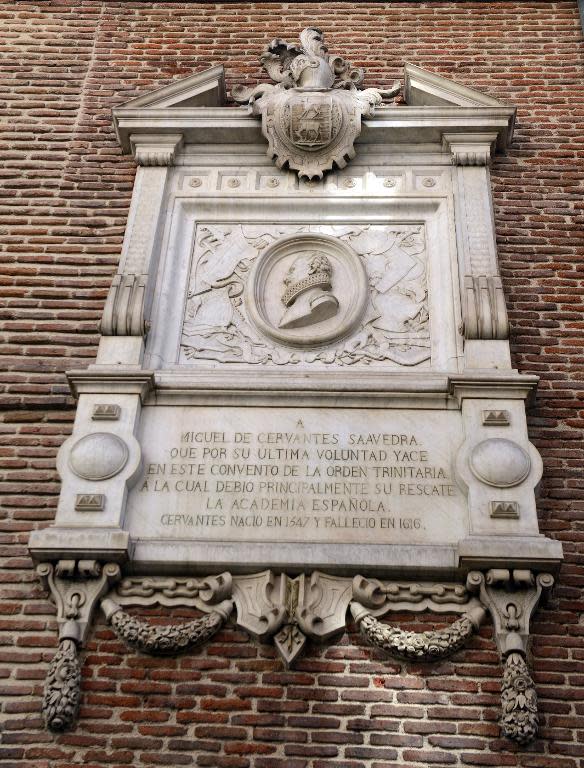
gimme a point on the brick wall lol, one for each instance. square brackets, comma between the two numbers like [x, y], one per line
[64, 198]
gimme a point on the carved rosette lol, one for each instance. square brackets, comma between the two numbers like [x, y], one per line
[164, 640]
[62, 692]
[519, 718]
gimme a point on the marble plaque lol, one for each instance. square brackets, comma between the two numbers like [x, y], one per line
[299, 373]
[298, 475]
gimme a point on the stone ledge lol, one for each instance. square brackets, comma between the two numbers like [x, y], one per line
[60, 543]
[535, 552]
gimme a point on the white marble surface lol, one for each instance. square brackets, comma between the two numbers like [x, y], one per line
[298, 475]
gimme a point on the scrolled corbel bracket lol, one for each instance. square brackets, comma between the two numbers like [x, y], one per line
[470, 148]
[123, 314]
[155, 149]
[485, 313]
[76, 586]
[511, 598]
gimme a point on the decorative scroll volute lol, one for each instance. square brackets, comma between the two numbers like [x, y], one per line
[123, 313]
[485, 312]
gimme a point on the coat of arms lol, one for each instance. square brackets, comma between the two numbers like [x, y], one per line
[312, 116]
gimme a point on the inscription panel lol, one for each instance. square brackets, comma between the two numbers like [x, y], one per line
[298, 475]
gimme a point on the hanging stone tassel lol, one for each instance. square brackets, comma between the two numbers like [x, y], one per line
[62, 688]
[519, 720]
[164, 640]
[418, 646]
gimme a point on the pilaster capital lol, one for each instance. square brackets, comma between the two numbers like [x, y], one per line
[470, 148]
[155, 149]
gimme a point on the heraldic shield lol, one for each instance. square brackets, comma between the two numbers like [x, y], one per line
[311, 130]
[312, 116]
[312, 121]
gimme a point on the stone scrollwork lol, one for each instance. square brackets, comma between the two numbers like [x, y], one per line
[485, 313]
[123, 314]
[511, 598]
[290, 610]
[76, 586]
[164, 640]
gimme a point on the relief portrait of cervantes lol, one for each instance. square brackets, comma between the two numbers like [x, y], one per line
[307, 293]
[306, 297]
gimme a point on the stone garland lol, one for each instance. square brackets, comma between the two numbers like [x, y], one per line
[62, 688]
[164, 640]
[417, 646]
[519, 719]
[510, 598]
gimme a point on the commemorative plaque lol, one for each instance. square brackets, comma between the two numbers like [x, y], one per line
[303, 384]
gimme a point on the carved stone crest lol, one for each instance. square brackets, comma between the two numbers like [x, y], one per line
[312, 116]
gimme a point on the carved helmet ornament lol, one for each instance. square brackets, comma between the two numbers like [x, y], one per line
[312, 116]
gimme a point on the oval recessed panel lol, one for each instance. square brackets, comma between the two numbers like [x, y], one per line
[500, 462]
[98, 456]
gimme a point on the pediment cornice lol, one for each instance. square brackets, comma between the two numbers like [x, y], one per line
[196, 107]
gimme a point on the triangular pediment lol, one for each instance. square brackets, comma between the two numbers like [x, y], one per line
[426, 89]
[189, 107]
[207, 89]
[203, 89]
